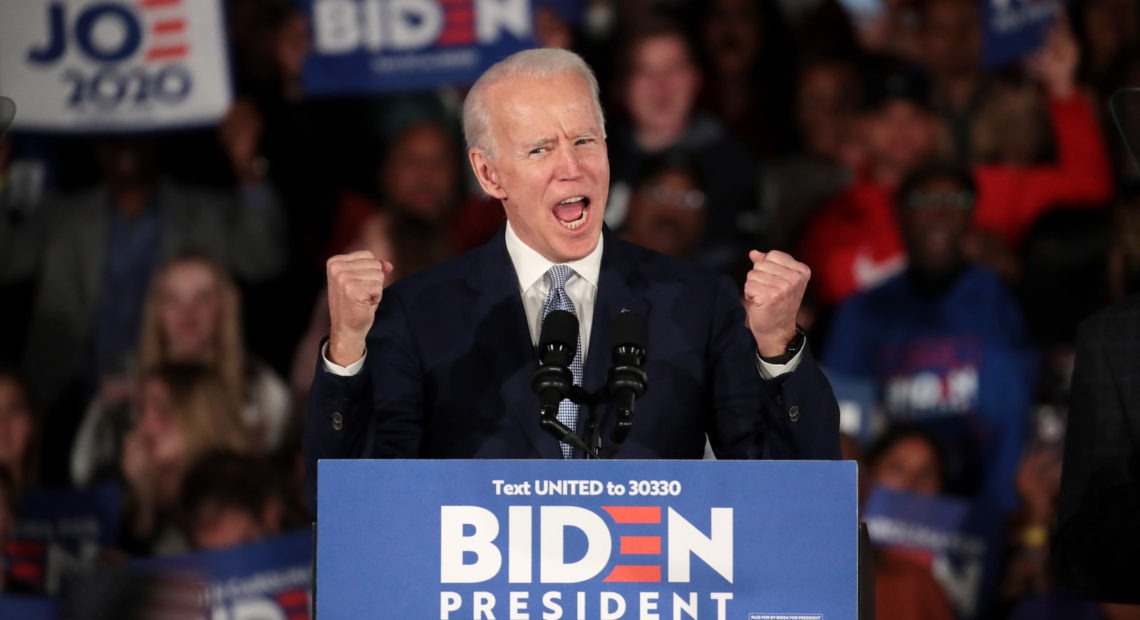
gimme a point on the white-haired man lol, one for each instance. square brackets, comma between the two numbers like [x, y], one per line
[442, 368]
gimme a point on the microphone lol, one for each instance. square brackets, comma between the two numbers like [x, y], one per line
[553, 380]
[627, 380]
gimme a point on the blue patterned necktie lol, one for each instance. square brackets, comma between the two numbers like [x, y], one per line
[558, 300]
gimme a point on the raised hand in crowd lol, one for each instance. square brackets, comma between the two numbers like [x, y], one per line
[239, 135]
[1055, 64]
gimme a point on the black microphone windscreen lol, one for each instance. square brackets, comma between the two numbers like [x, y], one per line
[631, 328]
[560, 329]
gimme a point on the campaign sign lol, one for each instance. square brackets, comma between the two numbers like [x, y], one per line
[1013, 29]
[587, 539]
[28, 608]
[114, 65]
[958, 538]
[364, 46]
[267, 580]
[59, 530]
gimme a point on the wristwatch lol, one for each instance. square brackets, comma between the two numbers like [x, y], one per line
[794, 346]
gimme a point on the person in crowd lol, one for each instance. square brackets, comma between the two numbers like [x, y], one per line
[419, 220]
[1077, 548]
[667, 206]
[418, 183]
[19, 437]
[192, 314]
[556, 24]
[951, 44]
[750, 56]
[827, 102]
[12, 574]
[1008, 125]
[1121, 117]
[658, 84]
[944, 341]
[1096, 546]
[439, 365]
[231, 499]
[1027, 571]
[889, 27]
[184, 411]
[906, 459]
[852, 243]
[93, 256]
[1107, 31]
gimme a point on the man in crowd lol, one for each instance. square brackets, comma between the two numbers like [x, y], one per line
[442, 368]
[93, 255]
[852, 243]
[660, 82]
[944, 342]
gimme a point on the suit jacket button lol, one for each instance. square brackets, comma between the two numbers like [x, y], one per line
[337, 421]
[794, 413]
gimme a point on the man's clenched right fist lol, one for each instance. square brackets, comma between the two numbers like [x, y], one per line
[356, 284]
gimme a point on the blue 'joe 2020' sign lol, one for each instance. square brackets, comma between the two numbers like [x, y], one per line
[587, 539]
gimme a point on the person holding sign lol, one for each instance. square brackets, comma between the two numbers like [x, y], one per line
[440, 364]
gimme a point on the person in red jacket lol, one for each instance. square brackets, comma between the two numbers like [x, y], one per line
[853, 242]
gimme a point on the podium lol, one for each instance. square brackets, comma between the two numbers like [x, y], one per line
[596, 540]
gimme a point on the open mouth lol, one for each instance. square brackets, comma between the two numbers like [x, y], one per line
[573, 212]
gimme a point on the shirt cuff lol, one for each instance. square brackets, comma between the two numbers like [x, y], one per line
[771, 371]
[351, 370]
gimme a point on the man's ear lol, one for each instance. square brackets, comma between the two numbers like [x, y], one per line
[487, 174]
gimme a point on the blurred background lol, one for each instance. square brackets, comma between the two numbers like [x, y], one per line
[179, 172]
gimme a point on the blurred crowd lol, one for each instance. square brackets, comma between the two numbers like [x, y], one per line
[162, 294]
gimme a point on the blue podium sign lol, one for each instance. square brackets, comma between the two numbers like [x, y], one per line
[762, 540]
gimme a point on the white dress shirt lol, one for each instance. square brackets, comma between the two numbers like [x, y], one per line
[534, 286]
[581, 288]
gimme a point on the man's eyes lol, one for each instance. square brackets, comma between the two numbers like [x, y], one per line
[539, 150]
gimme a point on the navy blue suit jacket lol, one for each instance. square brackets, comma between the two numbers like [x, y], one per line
[1096, 547]
[450, 361]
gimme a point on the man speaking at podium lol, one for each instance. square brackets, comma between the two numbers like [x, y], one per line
[443, 366]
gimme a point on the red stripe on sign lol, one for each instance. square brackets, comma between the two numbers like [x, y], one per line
[289, 599]
[155, 4]
[634, 574]
[165, 53]
[299, 616]
[168, 26]
[27, 572]
[634, 514]
[24, 547]
[455, 38]
[640, 545]
[464, 14]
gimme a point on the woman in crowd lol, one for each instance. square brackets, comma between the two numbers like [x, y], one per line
[19, 441]
[906, 459]
[184, 411]
[192, 314]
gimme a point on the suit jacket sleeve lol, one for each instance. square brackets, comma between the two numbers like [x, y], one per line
[342, 421]
[798, 414]
[1097, 544]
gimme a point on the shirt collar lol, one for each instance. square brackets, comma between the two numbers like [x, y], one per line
[530, 266]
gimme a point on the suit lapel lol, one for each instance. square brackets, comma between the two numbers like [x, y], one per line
[618, 283]
[503, 338]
